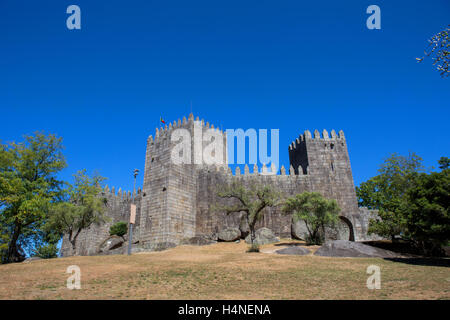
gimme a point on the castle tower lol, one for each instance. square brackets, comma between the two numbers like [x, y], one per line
[169, 200]
[325, 159]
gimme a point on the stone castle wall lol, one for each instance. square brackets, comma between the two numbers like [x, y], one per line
[117, 209]
[177, 200]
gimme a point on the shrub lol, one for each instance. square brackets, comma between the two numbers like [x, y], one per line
[253, 248]
[319, 239]
[118, 229]
[317, 212]
[47, 251]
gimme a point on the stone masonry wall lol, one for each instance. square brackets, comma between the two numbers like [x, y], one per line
[117, 209]
[177, 200]
[170, 189]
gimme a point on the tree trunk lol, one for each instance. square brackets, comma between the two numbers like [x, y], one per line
[13, 252]
[314, 237]
[74, 245]
[252, 233]
[74, 241]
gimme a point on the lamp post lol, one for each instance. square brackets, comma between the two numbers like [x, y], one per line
[132, 212]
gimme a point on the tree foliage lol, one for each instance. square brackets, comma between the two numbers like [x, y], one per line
[251, 200]
[444, 163]
[46, 251]
[28, 187]
[427, 212]
[83, 206]
[387, 192]
[412, 204]
[119, 229]
[439, 49]
[316, 211]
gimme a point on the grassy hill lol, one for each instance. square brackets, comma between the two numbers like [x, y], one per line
[225, 271]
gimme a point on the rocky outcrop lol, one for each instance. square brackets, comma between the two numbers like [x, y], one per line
[111, 243]
[340, 231]
[343, 248]
[299, 230]
[28, 260]
[294, 250]
[243, 227]
[198, 241]
[263, 236]
[229, 235]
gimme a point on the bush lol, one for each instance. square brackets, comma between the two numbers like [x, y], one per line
[119, 229]
[427, 212]
[47, 251]
[316, 211]
[253, 248]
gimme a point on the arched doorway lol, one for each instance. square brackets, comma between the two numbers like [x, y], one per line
[345, 228]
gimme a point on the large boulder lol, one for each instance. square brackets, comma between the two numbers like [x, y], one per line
[211, 236]
[299, 230]
[198, 241]
[263, 236]
[28, 260]
[344, 248]
[294, 250]
[340, 231]
[243, 226]
[229, 234]
[111, 243]
[161, 246]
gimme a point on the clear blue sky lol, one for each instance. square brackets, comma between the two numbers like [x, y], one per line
[291, 65]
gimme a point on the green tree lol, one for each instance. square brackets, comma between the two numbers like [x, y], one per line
[46, 251]
[252, 201]
[316, 211]
[82, 207]
[444, 163]
[427, 212]
[4, 242]
[439, 49]
[119, 229]
[28, 187]
[387, 192]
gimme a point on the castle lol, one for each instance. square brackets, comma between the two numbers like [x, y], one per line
[175, 203]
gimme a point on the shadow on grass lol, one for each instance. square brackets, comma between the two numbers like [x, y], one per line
[291, 244]
[431, 262]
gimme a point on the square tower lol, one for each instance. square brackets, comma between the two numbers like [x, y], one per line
[325, 160]
[169, 202]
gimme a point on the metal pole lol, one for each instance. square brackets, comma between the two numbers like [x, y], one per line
[133, 200]
[130, 238]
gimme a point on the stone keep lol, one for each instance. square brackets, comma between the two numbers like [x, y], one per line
[176, 201]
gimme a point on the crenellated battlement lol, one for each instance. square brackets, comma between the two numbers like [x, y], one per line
[264, 172]
[121, 195]
[164, 131]
[307, 136]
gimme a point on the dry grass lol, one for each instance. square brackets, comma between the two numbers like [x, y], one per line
[223, 271]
